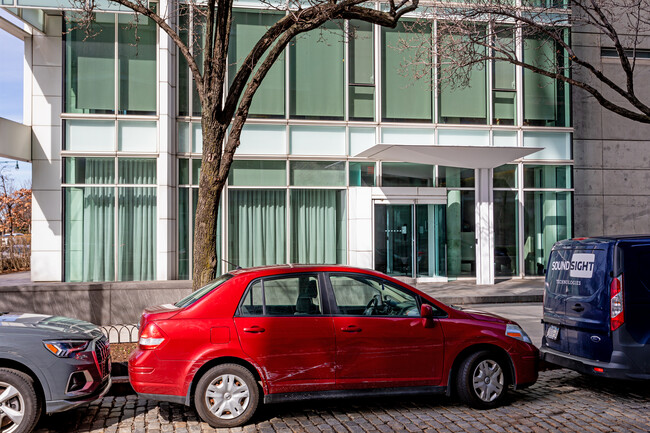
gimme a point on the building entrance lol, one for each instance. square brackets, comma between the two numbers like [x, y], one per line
[410, 239]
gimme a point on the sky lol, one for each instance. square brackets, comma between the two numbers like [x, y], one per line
[11, 94]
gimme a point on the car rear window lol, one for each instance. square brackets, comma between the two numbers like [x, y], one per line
[195, 296]
[577, 272]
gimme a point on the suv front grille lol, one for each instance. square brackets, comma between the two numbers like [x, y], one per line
[103, 356]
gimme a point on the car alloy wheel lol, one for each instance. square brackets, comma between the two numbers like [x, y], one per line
[488, 380]
[227, 396]
[19, 405]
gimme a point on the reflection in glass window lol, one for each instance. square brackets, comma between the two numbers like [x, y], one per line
[362, 174]
[406, 174]
[548, 176]
[453, 177]
[505, 176]
[362, 71]
[317, 173]
[547, 219]
[506, 245]
[461, 235]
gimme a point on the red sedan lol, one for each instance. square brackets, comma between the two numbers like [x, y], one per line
[282, 333]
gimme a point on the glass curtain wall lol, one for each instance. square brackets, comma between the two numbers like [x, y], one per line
[97, 208]
[91, 65]
[504, 83]
[547, 212]
[506, 221]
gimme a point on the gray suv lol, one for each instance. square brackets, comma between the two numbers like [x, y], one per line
[48, 364]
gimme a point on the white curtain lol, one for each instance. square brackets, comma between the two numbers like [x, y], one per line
[257, 227]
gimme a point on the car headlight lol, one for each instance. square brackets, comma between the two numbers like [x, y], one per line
[514, 331]
[65, 348]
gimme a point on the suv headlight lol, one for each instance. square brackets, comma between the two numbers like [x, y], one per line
[65, 348]
[514, 331]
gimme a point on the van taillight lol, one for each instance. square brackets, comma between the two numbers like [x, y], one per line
[617, 317]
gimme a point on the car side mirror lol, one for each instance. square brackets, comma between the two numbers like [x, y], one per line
[426, 313]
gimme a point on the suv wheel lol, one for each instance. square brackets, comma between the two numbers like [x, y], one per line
[481, 380]
[19, 405]
[226, 396]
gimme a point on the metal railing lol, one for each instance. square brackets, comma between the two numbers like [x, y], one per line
[123, 333]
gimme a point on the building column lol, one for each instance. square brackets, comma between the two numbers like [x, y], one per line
[166, 241]
[484, 227]
[43, 100]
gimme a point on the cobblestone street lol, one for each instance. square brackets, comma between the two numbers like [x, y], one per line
[561, 401]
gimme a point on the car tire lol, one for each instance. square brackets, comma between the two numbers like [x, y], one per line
[482, 380]
[18, 399]
[226, 396]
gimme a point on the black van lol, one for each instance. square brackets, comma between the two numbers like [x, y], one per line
[597, 306]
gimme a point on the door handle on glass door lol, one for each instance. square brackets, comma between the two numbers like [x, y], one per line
[254, 330]
[351, 328]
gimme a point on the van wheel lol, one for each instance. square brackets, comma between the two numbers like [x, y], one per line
[19, 405]
[226, 396]
[481, 380]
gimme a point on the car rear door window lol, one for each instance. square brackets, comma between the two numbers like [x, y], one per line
[296, 295]
[358, 295]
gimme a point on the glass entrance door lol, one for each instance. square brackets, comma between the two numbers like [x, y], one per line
[410, 240]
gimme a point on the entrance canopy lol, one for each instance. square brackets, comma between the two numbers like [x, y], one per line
[451, 156]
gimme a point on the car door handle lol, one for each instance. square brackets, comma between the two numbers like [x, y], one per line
[254, 330]
[351, 328]
[578, 308]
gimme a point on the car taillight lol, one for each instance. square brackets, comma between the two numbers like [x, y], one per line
[151, 337]
[617, 317]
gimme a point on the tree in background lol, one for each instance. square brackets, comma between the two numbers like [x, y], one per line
[15, 206]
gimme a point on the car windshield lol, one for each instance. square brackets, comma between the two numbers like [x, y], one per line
[190, 299]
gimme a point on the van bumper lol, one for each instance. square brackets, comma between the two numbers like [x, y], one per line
[612, 370]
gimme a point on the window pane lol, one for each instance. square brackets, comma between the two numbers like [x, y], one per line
[183, 234]
[136, 234]
[547, 176]
[136, 171]
[555, 145]
[258, 173]
[196, 171]
[247, 28]
[504, 107]
[317, 173]
[89, 234]
[464, 105]
[256, 227]
[362, 174]
[318, 228]
[546, 101]
[453, 177]
[360, 139]
[402, 97]
[253, 304]
[89, 170]
[263, 140]
[90, 67]
[547, 219]
[183, 68]
[317, 92]
[137, 64]
[317, 140]
[362, 74]
[137, 136]
[291, 296]
[406, 174]
[90, 135]
[506, 246]
[505, 176]
[357, 295]
[184, 171]
[461, 236]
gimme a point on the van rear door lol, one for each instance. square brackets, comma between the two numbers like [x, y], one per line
[577, 300]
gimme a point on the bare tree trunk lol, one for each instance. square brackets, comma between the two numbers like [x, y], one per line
[210, 189]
